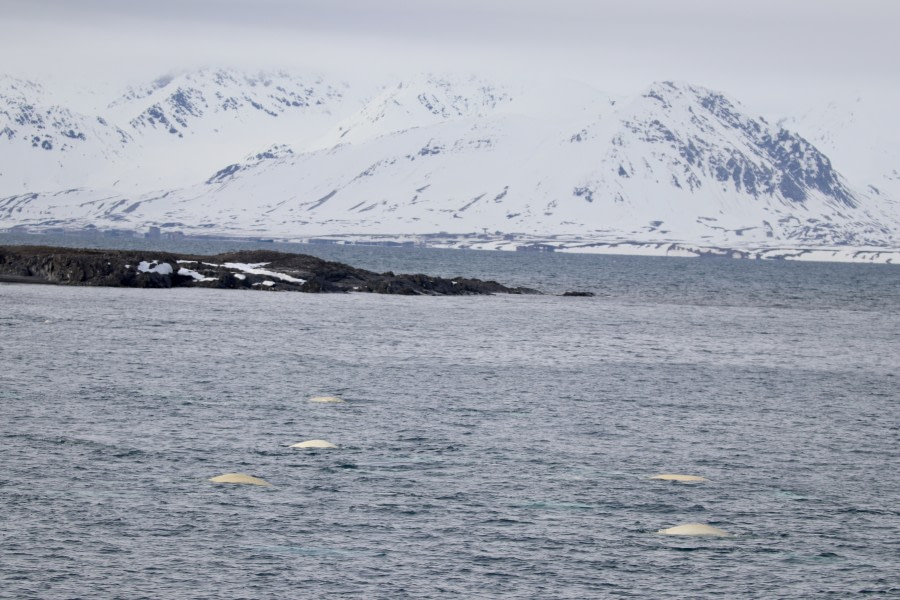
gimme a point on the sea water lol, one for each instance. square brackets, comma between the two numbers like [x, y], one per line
[488, 446]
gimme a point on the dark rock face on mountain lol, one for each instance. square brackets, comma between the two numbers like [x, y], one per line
[711, 138]
[797, 166]
[254, 269]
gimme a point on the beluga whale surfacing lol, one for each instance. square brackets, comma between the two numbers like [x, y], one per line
[314, 444]
[326, 400]
[695, 529]
[240, 478]
[678, 477]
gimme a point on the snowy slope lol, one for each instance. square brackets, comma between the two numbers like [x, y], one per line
[858, 133]
[296, 156]
[47, 146]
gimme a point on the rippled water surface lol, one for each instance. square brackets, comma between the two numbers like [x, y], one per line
[489, 446]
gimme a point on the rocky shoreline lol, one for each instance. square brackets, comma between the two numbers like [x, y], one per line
[252, 270]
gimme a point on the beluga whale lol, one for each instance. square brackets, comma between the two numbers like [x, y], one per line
[314, 444]
[326, 399]
[240, 478]
[695, 529]
[677, 477]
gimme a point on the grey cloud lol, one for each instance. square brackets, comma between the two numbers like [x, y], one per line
[764, 49]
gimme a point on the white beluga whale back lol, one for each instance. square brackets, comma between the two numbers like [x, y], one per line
[326, 399]
[677, 477]
[313, 444]
[240, 478]
[695, 529]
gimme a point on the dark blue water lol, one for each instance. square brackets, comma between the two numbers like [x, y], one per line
[489, 446]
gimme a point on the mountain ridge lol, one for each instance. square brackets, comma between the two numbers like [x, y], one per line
[456, 154]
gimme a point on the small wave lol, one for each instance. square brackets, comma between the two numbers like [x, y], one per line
[314, 551]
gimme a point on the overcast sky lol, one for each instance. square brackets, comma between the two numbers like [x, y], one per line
[775, 55]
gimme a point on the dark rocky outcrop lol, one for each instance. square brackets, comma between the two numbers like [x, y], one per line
[281, 271]
[579, 294]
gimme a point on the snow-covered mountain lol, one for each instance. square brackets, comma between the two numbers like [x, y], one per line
[282, 155]
[159, 136]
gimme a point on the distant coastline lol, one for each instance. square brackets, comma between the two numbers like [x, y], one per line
[564, 244]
